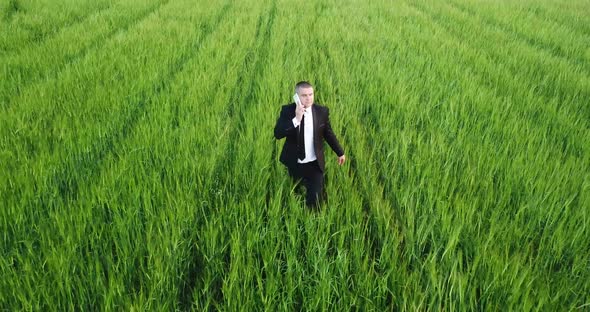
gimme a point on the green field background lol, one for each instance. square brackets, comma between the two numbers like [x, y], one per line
[138, 167]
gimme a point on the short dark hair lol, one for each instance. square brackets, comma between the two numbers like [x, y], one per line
[302, 84]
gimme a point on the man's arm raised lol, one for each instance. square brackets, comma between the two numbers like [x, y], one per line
[284, 124]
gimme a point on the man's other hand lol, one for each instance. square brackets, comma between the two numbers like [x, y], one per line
[341, 160]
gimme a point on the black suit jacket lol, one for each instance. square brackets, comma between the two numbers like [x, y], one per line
[321, 131]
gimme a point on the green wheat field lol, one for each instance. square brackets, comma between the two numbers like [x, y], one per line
[138, 167]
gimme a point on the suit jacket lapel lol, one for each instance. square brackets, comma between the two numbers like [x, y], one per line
[316, 117]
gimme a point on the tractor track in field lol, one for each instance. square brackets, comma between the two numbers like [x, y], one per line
[435, 19]
[244, 90]
[504, 90]
[581, 28]
[89, 162]
[372, 237]
[371, 220]
[195, 263]
[553, 50]
[13, 7]
[236, 115]
[41, 38]
[55, 71]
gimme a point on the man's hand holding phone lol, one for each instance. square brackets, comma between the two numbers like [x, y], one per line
[299, 108]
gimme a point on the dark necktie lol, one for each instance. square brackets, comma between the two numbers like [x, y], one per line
[301, 141]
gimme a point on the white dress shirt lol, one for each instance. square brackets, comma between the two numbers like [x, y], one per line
[308, 128]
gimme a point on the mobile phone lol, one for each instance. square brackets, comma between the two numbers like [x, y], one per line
[297, 100]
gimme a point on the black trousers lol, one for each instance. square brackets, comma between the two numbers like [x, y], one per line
[310, 175]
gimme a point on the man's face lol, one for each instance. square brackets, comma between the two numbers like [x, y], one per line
[306, 96]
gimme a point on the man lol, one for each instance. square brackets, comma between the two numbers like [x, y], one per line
[305, 128]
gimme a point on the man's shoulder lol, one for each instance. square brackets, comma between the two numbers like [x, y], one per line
[320, 108]
[288, 106]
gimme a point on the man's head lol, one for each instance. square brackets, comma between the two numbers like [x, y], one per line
[305, 91]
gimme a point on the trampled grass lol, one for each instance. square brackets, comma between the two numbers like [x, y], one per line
[139, 170]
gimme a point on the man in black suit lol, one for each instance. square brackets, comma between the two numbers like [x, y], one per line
[305, 128]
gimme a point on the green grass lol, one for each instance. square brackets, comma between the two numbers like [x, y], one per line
[139, 170]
